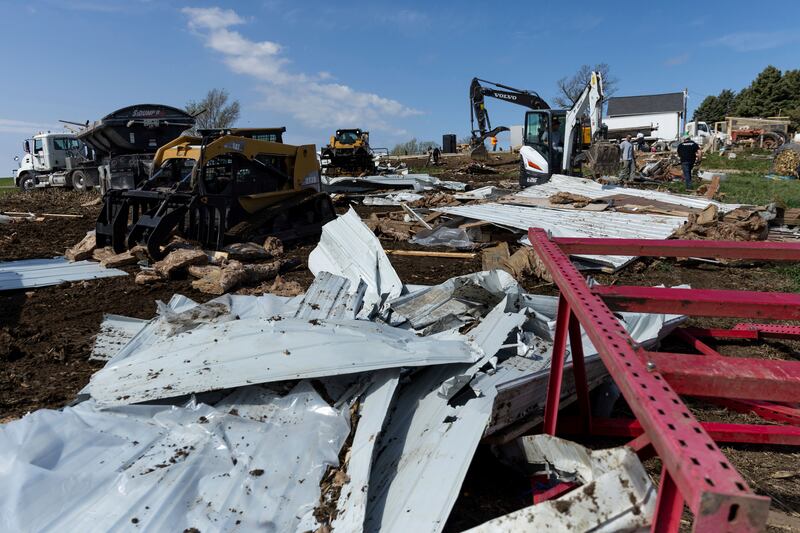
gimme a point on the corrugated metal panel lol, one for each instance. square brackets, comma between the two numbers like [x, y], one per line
[349, 249]
[592, 189]
[252, 463]
[263, 350]
[352, 504]
[615, 492]
[115, 332]
[575, 223]
[32, 273]
[418, 182]
[329, 297]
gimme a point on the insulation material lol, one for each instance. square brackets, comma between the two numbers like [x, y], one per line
[615, 495]
[164, 468]
[349, 249]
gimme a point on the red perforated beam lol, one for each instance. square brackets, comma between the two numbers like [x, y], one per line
[717, 495]
[700, 302]
[729, 377]
[775, 251]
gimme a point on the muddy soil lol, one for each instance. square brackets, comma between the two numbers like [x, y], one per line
[46, 334]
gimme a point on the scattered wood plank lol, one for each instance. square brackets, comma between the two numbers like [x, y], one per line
[54, 215]
[495, 257]
[425, 253]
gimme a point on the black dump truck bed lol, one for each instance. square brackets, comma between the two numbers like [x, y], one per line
[136, 129]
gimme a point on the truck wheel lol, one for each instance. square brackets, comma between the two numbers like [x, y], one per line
[27, 182]
[79, 179]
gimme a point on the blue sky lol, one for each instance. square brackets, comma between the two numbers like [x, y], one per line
[399, 69]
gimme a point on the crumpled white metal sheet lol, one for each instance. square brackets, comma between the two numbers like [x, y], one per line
[615, 495]
[330, 297]
[349, 249]
[261, 350]
[115, 332]
[417, 182]
[252, 463]
[423, 455]
[575, 223]
[32, 273]
[595, 190]
[374, 407]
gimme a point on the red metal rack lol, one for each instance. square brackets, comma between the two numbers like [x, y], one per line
[695, 471]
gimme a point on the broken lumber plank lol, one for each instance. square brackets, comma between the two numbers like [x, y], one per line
[424, 253]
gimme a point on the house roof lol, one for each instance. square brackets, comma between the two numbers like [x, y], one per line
[641, 105]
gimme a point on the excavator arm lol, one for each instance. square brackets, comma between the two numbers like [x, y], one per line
[479, 115]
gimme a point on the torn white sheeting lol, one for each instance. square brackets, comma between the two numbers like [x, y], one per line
[424, 454]
[595, 190]
[453, 303]
[257, 350]
[374, 407]
[115, 332]
[253, 463]
[349, 249]
[417, 182]
[393, 198]
[575, 223]
[32, 273]
[616, 493]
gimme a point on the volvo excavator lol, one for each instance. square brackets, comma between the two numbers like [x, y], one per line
[225, 185]
[554, 140]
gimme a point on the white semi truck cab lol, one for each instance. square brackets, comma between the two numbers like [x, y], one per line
[49, 160]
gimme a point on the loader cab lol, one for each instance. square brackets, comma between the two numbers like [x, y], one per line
[543, 145]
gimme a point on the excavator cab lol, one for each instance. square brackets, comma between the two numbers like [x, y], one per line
[543, 150]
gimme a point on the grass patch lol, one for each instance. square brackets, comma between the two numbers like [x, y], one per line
[6, 182]
[745, 161]
[792, 272]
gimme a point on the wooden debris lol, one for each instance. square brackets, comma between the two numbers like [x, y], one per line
[713, 188]
[90, 203]
[577, 200]
[787, 163]
[51, 215]
[102, 253]
[425, 253]
[415, 216]
[746, 225]
[179, 260]
[82, 250]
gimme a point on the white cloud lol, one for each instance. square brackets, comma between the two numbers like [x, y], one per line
[677, 60]
[754, 41]
[311, 99]
[8, 125]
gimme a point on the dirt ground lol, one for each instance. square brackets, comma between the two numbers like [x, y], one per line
[46, 334]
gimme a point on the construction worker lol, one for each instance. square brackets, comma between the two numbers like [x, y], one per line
[690, 153]
[494, 144]
[626, 149]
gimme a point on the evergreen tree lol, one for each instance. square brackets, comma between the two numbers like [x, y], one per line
[763, 97]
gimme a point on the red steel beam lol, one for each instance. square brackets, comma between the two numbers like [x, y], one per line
[774, 331]
[721, 432]
[768, 411]
[728, 377]
[717, 495]
[702, 302]
[774, 251]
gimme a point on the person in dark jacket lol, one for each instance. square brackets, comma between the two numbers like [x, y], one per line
[689, 152]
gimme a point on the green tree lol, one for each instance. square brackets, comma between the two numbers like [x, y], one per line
[715, 108]
[413, 147]
[764, 96]
[214, 111]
